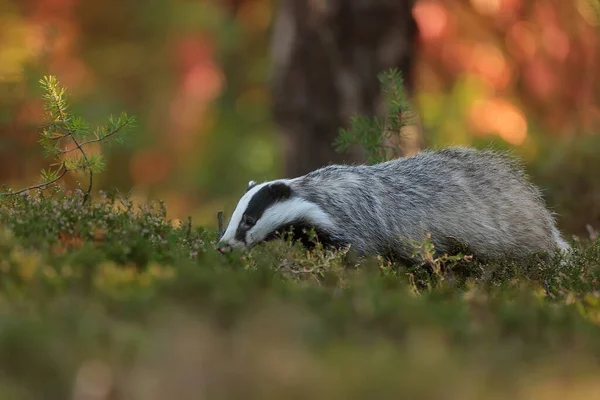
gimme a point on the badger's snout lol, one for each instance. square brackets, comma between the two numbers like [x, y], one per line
[227, 246]
[224, 247]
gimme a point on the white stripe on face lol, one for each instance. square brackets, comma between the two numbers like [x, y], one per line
[287, 212]
[229, 235]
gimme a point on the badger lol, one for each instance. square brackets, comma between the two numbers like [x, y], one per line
[457, 196]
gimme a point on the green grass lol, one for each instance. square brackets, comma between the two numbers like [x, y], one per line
[110, 300]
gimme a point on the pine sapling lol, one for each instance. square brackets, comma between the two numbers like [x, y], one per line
[62, 129]
[377, 135]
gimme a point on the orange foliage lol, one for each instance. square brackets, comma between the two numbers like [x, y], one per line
[200, 82]
[521, 60]
[541, 52]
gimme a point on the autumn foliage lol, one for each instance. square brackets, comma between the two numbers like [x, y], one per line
[521, 74]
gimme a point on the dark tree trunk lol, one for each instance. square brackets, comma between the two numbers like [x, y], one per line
[327, 55]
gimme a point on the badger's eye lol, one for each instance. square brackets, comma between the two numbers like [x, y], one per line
[249, 221]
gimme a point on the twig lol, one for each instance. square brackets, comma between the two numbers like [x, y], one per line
[87, 161]
[591, 231]
[304, 271]
[60, 136]
[286, 265]
[97, 139]
[70, 134]
[60, 125]
[220, 222]
[41, 185]
[313, 272]
[189, 228]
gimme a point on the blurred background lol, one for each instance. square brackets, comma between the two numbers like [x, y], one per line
[231, 90]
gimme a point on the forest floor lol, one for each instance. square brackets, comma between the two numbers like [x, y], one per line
[109, 300]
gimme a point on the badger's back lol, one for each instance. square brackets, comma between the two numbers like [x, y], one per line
[481, 199]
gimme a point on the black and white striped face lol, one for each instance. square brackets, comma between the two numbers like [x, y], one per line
[264, 209]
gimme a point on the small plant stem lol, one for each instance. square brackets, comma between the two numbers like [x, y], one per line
[70, 134]
[189, 228]
[96, 140]
[220, 221]
[61, 125]
[41, 185]
[61, 136]
[89, 189]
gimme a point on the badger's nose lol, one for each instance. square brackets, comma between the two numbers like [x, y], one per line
[223, 248]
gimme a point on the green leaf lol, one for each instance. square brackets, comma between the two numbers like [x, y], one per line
[74, 163]
[49, 175]
[96, 163]
[371, 133]
[79, 127]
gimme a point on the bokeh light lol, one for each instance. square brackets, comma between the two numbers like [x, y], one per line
[432, 19]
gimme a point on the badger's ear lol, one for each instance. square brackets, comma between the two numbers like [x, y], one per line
[251, 184]
[280, 191]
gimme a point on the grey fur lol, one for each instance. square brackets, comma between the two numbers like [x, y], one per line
[481, 199]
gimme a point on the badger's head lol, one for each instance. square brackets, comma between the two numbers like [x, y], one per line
[266, 208]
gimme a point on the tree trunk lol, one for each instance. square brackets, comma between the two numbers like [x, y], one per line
[326, 56]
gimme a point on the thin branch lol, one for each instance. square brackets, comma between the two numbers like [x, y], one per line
[60, 137]
[304, 271]
[188, 232]
[220, 222]
[41, 185]
[97, 139]
[70, 134]
[89, 189]
[63, 126]
[313, 272]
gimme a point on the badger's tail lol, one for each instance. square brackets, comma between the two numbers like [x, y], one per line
[560, 242]
[562, 245]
